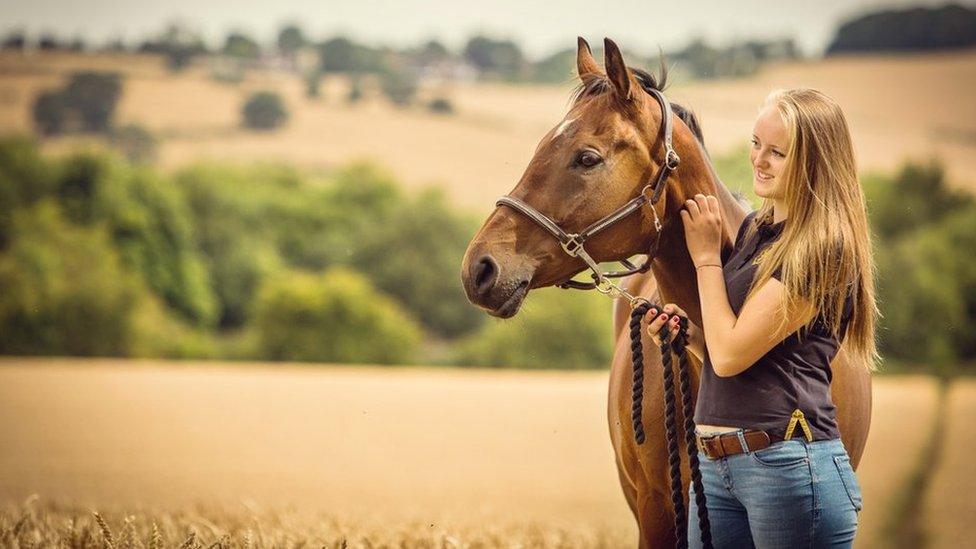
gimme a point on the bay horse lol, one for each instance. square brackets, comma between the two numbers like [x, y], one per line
[599, 157]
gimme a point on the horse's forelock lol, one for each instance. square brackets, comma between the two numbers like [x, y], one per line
[595, 84]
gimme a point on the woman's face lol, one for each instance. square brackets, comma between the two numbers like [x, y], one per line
[767, 153]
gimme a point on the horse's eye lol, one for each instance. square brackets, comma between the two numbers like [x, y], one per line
[588, 159]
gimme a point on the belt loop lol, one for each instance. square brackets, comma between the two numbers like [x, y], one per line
[742, 440]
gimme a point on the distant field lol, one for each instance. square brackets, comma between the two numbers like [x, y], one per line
[377, 452]
[906, 106]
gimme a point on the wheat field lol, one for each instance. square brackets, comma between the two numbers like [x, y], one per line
[950, 506]
[375, 456]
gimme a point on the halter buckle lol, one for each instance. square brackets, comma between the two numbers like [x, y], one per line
[573, 245]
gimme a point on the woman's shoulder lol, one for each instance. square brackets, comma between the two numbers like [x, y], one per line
[743, 226]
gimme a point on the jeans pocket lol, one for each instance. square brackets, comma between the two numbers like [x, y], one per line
[782, 455]
[847, 476]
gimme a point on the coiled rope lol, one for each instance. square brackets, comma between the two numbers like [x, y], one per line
[670, 347]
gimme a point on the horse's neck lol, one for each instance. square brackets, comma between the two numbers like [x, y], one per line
[673, 268]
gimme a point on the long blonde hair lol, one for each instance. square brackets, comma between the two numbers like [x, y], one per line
[825, 247]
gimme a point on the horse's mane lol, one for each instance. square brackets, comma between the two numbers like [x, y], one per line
[592, 85]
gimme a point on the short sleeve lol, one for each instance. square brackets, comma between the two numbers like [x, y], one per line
[821, 325]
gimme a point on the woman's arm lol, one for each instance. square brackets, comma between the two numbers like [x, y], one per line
[696, 341]
[734, 343]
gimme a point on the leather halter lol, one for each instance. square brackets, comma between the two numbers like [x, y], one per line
[572, 243]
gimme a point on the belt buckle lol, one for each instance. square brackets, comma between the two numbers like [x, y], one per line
[700, 442]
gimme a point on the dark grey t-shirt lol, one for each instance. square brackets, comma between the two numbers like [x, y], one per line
[795, 374]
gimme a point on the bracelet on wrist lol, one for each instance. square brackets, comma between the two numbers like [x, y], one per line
[707, 265]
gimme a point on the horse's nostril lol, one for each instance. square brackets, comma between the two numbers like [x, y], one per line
[485, 273]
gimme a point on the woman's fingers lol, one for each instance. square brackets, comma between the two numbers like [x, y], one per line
[657, 320]
[673, 309]
[655, 331]
[701, 204]
[713, 205]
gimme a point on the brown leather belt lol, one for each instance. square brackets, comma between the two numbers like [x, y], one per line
[728, 444]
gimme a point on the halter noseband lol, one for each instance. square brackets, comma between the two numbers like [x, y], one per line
[572, 243]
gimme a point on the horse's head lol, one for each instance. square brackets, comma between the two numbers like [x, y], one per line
[603, 154]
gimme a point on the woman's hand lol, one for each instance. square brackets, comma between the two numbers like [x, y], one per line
[702, 219]
[670, 316]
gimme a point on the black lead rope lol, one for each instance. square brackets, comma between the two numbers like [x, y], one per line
[678, 346]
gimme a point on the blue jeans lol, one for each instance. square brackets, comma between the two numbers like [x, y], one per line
[792, 494]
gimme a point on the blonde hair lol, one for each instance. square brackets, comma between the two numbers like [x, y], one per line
[825, 247]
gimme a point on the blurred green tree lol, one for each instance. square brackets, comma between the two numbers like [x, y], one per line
[400, 87]
[291, 38]
[264, 111]
[501, 57]
[414, 257]
[86, 103]
[64, 289]
[93, 96]
[555, 329]
[341, 54]
[241, 46]
[916, 196]
[440, 105]
[50, 112]
[433, 52]
[147, 222]
[333, 317]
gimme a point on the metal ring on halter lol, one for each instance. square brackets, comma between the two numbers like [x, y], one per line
[672, 160]
[606, 286]
[657, 221]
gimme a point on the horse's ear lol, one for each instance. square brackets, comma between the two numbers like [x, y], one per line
[585, 64]
[616, 69]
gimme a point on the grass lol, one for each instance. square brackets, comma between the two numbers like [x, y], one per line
[36, 523]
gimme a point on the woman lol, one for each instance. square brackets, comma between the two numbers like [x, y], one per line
[798, 282]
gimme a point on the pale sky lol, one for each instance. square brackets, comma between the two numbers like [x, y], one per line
[539, 27]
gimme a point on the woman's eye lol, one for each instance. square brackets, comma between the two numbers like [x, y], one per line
[779, 154]
[588, 159]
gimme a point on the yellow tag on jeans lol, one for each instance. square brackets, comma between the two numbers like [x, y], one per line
[797, 417]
